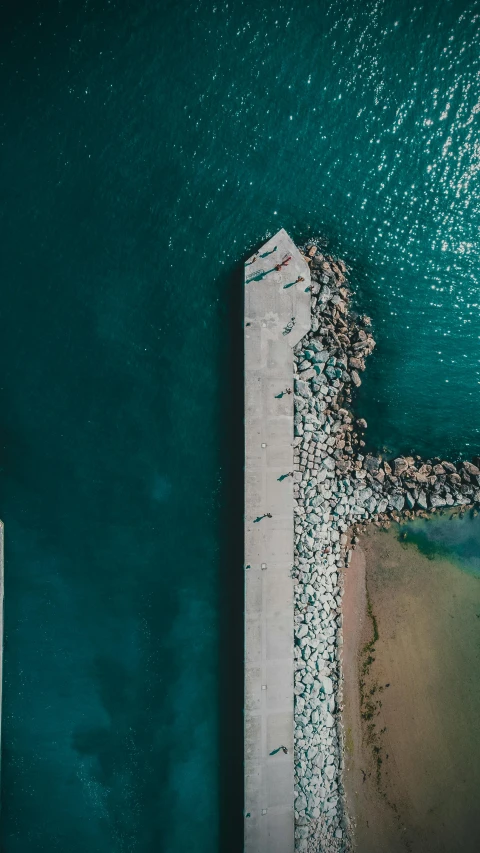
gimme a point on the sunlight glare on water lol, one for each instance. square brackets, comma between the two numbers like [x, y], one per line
[145, 151]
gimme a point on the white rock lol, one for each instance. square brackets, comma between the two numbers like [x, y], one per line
[328, 720]
[327, 684]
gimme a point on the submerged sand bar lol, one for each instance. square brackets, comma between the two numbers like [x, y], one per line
[272, 299]
[412, 764]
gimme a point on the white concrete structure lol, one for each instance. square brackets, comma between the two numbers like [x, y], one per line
[272, 298]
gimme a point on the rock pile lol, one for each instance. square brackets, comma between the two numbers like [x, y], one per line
[336, 489]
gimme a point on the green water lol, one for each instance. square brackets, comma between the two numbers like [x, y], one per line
[448, 537]
[145, 149]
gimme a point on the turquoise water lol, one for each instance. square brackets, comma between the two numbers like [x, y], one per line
[446, 536]
[146, 148]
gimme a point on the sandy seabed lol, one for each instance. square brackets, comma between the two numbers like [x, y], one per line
[412, 699]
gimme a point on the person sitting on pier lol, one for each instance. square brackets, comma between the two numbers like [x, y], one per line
[279, 396]
[265, 254]
[283, 748]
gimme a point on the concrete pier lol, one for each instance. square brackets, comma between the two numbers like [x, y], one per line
[272, 298]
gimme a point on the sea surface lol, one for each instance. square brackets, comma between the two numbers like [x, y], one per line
[145, 149]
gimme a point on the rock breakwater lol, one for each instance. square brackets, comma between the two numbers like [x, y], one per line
[338, 489]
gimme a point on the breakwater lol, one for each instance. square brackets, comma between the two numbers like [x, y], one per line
[337, 490]
[309, 489]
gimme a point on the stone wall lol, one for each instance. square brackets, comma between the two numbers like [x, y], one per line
[337, 489]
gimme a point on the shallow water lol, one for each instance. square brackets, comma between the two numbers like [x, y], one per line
[145, 150]
[447, 536]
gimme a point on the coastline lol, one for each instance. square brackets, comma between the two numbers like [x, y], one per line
[338, 491]
[412, 754]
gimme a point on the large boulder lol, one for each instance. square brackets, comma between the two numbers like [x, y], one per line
[371, 464]
[422, 500]
[330, 771]
[301, 631]
[356, 363]
[396, 502]
[455, 479]
[400, 465]
[300, 802]
[327, 684]
[410, 500]
[320, 357]
[471, 469]
[447, 466]
[302, 388]
[325, 293]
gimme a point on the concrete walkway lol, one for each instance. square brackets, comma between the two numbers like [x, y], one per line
[272, 299]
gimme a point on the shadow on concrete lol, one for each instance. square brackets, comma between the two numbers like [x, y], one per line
[259, 276]
[231, 573]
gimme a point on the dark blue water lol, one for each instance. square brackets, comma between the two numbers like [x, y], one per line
[145, 148]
